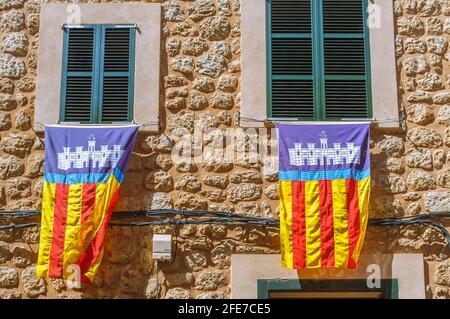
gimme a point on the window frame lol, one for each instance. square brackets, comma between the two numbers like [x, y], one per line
[98, 72]
[318, 74]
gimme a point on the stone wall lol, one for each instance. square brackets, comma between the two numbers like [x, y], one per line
[200, 85]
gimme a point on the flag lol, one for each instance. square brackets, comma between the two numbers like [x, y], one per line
[324, 183]
[84, 167]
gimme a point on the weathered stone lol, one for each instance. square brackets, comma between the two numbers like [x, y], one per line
[5, 121]
[412, 26]
[178, 279]
[437, 45]
[419, 158]
[31, 235]
[5, 254]
[220, 181]
[391, 145]
[214, 195]
[419, 181]
[431, 82]
[184, 29]
[173, 46]
[217, 165]
[222, 101]
[10, 166]
[10, 294]
[221, 255]
[444, 115]
[221, 48]
[161, 143]
[12, 21]
[439, 158]
[183, 64]
[393, 184]
[193, 46]
[201, 9]
[181, 123]
[6, 86]
[23, 120]
[244, 192]
[172, 11]
[15, 43]
[441, 98]
[210, 280]
[211, 64]
[7, 102]
[441, 293]
[160, 201]
[215, 28]
[272, 192]
[414, 209]
[188, 183]
[197, 101]
[443, 179]
[420, 114]
[424, 137]
[176, 104]
[399, 51]
[33, 23]
[394, 165]
[245, 177]
[190, 201]
[435, 62]
[174, 81]
[21, 257]
[18, 144]
[152, 289]
[9, 278]
[224, 117]
[178, 293]
[21, 99]
[228, 83]
[203, 84]
[447, 136]
[442, 274]
[18, 187]
[185, 165]
[159, 181]
[419, 97]
[11, 66]
[426, 8]
[195, 260]
[416, 65]
[207, 122]
[434, 26]
[22, 204]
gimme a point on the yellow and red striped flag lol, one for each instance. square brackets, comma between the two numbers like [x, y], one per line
[324, 194]
[84, 168]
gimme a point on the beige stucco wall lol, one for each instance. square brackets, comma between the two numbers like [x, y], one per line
[200, 80]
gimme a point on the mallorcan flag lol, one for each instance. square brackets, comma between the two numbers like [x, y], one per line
[84, 167]
[324, 194]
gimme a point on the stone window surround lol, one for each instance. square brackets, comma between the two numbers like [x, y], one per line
[147, 17]
[408, 269]
[385, 103]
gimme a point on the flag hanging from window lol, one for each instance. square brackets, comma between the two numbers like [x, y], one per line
[324, 194]
[84, 167]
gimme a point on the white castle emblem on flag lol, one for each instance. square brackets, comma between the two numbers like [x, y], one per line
[105, 157]
[311, 156]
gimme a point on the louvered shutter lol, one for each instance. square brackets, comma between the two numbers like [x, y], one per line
[117, 67]
[345, 62]
[98, 70]
[77, 86]
[291, 78]
[319, 63]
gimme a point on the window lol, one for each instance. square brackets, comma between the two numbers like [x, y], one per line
[318, 60]
[98, 74]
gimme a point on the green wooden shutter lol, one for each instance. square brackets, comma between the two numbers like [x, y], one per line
[117, 74]
[346, 61]
[318, 55]
[291, 52]
[98, 74]
[78, 73]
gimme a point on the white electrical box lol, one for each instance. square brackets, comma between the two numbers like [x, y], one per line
[162, 247]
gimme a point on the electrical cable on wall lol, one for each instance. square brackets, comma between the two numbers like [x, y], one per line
[198, 217]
